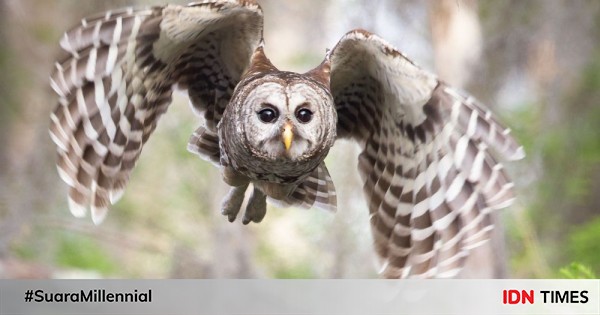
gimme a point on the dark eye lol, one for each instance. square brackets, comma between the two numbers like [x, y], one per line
[267, 115]
[304, 115]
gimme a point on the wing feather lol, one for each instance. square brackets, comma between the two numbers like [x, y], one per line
[116, 77]
[317, 190]
[430, 177]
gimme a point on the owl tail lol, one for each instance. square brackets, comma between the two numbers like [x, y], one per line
[205, 144]
[317, 190]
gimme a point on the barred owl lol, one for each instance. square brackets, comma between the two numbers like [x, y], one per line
[430, 178]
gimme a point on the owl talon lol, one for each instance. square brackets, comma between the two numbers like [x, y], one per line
[256, 207]
[233, 202]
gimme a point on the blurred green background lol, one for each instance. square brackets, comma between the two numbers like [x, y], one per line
[536, 63]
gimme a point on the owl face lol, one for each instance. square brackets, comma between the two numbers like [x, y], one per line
[283, 119]
[279, 123]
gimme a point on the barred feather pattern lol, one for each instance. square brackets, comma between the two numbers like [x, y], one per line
[428, 152]
[116, 79]
[429, 177]
[317, 190]
[205, 143]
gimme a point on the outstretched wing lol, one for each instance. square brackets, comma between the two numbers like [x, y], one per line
[117, 77]
[429, 175]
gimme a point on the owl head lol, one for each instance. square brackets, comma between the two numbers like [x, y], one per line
[279, 121]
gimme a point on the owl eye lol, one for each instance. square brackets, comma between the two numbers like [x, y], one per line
[267, 115]
[304, 115]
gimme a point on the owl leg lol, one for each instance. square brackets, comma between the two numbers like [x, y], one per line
[256, 207]
[233, 178]
[233, 202]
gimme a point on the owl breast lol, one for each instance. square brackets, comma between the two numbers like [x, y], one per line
[278, 127]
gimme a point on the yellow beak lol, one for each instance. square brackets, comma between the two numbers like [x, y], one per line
[287, 136]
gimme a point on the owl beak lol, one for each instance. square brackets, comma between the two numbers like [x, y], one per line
[287, 136]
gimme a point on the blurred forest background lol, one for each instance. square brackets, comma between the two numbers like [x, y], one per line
[535, 62]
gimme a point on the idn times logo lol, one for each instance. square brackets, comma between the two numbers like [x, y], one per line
[548, 296]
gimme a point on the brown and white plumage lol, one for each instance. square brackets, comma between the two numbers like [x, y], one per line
[117, 77]
[428, 166]
[429, 178]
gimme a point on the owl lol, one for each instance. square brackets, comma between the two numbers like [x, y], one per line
[428, 161]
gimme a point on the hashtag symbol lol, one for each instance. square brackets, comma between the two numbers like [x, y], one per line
[28, 295]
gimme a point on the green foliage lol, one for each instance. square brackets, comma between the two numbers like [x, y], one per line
[519, 244]
[583, 244]
[282, 268]
[44, 33]
[82, 252]
[525, 121]
[298, 271]
[25, 252]
[572, 151]
[577, 271]
[562, 204]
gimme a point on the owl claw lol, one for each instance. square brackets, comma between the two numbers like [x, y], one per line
[256, 208]
[233, 202]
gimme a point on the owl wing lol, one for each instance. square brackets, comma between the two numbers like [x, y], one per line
[429, 175]
[116, 79]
